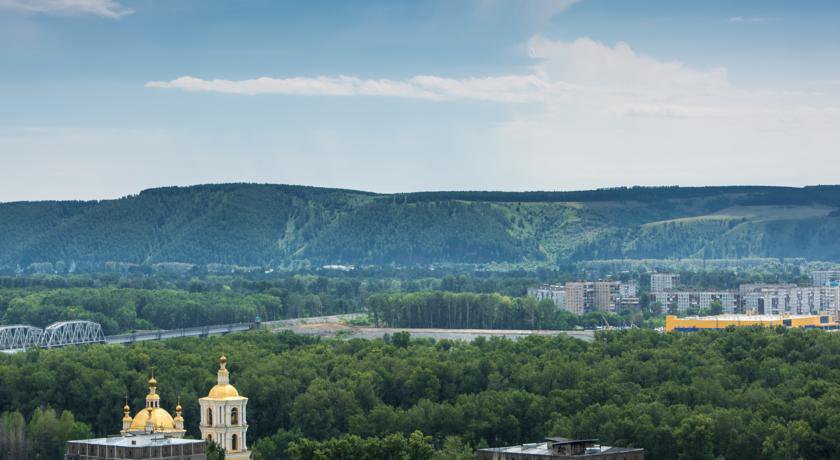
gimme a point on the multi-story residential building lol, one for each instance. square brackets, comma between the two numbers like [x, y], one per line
[576, 296]
[553, 292]
[661, 282]
[769, 299]
[582, 296]
[628, 290]
[786, 298]
[683, 301]
[825, 277]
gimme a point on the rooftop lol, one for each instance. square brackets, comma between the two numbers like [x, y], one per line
[138, 440]
[739, 317]
[543, 449]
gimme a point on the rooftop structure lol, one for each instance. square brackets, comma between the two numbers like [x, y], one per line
[561, 448]
[136, 446]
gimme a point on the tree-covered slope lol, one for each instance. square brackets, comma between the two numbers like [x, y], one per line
[266, 225]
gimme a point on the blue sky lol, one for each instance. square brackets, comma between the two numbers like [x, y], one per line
[102, 98]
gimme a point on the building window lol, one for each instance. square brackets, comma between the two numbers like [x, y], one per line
[234, 416]
[209, 416]
[234, 442]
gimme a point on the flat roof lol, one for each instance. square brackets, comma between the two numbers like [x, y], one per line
[737, 317]
[543, 449]
[143, 440]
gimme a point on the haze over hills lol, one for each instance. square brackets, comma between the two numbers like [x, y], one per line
[280, 225]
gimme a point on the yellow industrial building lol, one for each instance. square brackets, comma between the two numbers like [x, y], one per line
[694, 323]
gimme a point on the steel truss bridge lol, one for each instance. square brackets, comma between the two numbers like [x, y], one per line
[63, 333]
[22, 337]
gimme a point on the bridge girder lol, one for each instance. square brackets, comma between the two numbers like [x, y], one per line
[71, 333]
[20, 337]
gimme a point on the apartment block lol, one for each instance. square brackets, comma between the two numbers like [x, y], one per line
[661, 282]
[821, 278]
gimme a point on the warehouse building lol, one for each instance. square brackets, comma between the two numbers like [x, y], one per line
[695, 323]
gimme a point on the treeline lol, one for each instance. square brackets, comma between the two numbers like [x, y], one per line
[746, 393]
[125, 303]
[43, 437]
[436, 309]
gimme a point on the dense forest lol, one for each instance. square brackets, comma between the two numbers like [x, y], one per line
[747, 393]
[250, 226]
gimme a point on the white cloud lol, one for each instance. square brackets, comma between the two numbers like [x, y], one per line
[582, 75]
[112, 9]
[747, 19]
[516, 88]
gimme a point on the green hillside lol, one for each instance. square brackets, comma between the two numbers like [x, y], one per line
[281, 225]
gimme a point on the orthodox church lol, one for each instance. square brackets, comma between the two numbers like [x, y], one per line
[154, 433]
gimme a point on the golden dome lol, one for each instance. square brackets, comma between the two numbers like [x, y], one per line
[178, 408]
[161, 420]
[223, 391]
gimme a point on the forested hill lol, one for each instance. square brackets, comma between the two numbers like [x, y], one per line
[281, 225]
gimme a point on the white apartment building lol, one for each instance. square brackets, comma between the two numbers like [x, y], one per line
[661, 282]
[553, 292]
[825, 277]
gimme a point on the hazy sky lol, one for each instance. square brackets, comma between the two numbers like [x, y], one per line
[102, 98]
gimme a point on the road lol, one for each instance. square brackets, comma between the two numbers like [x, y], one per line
[334, 329]
[222, 329]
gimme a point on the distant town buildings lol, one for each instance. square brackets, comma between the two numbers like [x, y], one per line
[660, 282]
[561, 448]
[754, 298]
[825, 277]
[579, 297]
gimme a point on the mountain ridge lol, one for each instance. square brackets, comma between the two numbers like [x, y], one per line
[279, 225]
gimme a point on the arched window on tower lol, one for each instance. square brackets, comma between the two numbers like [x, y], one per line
[234, 416]
[234, 442]
[209, 416]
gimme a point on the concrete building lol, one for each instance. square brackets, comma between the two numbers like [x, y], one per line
[770, 299]
[823, 278]
[628, 290]
[561, 449]
[787, 298]
[136, 446]
[553, 292]
[683, 301]
[582, 296]
[576, 297]
[661, 282]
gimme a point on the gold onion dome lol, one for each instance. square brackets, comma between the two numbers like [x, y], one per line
[159, 418]
[223, 389]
